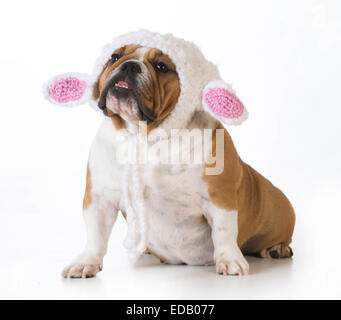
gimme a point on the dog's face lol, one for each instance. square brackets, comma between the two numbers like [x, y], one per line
[137, 84]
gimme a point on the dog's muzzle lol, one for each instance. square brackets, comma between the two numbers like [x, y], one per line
[123, 84]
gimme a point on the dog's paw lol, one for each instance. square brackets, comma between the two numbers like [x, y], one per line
[81, 271]
[85, 266]
[232, 266]
[279, 251]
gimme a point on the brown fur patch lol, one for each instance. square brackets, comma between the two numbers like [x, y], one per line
[166, 87]
[87, 200]
[222, 188]
[118, 122]
[202, 219]
[265, 215]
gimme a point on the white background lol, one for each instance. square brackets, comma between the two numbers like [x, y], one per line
[283, 57]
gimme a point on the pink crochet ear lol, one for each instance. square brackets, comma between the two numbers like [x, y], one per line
[68, 89]
[223, 104]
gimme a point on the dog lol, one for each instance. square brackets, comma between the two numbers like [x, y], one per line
[181, 213]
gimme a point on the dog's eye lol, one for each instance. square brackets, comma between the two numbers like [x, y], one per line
[115, 57]
[162, 67]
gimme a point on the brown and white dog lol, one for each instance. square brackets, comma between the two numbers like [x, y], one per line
[189, 215]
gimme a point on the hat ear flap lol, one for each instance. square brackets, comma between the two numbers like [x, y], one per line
[220, 101]
[68, 90]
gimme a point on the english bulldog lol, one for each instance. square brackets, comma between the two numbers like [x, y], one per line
[206, 212]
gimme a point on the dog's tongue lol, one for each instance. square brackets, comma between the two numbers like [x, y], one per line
[122, 84]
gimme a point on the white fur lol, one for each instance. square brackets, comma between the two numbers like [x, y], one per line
[99, 219]
[228, 257]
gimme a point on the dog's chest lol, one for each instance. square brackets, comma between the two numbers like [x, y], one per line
[163, 203]
[177, 230]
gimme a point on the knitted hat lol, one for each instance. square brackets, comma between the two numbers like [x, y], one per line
[201, 87]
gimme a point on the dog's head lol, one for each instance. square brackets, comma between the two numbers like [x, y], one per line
[156, 78]
[137, 83]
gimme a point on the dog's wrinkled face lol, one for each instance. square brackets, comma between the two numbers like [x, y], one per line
[137, 83]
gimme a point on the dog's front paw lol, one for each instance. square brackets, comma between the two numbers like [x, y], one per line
[232, 265]
[85, 266]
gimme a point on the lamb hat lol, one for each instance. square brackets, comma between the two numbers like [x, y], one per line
[201, 87]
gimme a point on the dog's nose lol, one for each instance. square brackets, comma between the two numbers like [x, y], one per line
[130, 67]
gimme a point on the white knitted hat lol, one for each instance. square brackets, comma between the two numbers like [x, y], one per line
[201, 87]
